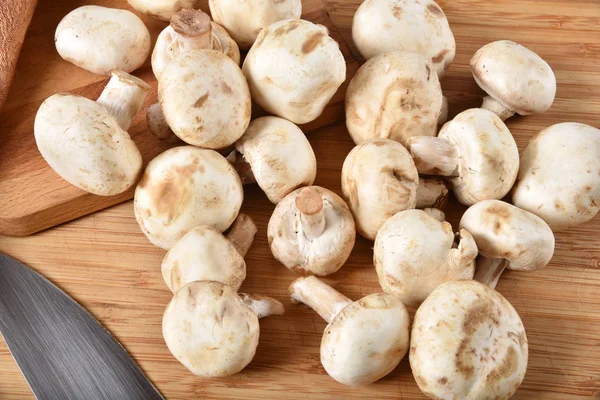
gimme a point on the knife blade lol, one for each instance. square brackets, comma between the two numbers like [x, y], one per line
[61, 349]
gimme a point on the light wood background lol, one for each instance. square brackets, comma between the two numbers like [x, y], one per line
[105, 263]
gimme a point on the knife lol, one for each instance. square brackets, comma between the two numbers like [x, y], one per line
[62, 351]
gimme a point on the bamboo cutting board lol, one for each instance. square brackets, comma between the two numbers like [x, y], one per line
[106, 263]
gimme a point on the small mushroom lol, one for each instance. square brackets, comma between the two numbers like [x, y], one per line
[416, 252]
[86, 142]
[477, 153]
[515, 78]
[507, 237]
[383, 26]
[395, 96]
[245, 19]
[559, 178]
[294, 69]
[185, 187]
[212, 330]
[364, 340]
[101, 39]
[312, 231]
[468, 342]
[161, 9]
[204, 254]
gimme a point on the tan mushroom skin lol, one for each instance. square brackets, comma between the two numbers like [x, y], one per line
[161, 9]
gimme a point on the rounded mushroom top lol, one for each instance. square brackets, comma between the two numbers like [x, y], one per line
[504, 231]
[245, 19]
[515, 76]
[185, 187]
[415, 253]
[559, 178]
[468, 342]
[294, 69]
[100, 39]
[205, 98]
[422, 25]
[161, 9]
[394, 95]
[280, 156]
[379, 179]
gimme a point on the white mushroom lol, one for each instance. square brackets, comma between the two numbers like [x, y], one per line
[515, 78]
[364, 340]
[312, 231]
[212, 330]
[468, 342]
[161, 9]
[559, 178]
[101, 39]
[185, 187]
[86, 142]
[294, 69]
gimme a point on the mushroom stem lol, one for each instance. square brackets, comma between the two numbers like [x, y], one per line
[242, 234]
[319, 296]
[243, 167]
[444, 114]
[312, 216]
[262, 306]
[157, 124]
[489, 270]
[491, 104]
[465, 252]
[193, 29]
[435, 213]
[124, 97]
[432, 193]
[434, 156]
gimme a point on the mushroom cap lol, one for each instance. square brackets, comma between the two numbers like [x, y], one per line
[515, 76]
[205, 98]
[185, 187]
[468, 342]
[422, 25]
[203, 254]
[415, 253]
[321, 256]
[280, 155]
[294, 69]
[210, 330]
[245, 19]
[228, 46]
[488, 156]
[394, 95]
[366, 340]
[161, 9]
[379, 178]
[559, 178]
[502, 230]
[85, 145]
[100, 39]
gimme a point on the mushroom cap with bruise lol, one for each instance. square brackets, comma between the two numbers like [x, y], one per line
[185, 187]
[515, 76]
[468, 342]
[205, 98]
[280, 156]
[366, 340]
[394, 95]
[383, 26]
[379, 179]
[294, 69]
[210, 330]
[414, 253]
[161, 9]
[559, 178]
[502, 230]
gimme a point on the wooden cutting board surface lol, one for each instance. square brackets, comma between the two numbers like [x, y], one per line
[105, 263]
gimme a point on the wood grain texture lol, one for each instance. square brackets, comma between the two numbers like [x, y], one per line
[106, 263]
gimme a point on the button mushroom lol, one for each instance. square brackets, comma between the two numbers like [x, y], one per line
[477, 153]
[185, 187]
[294, 69]
[515, 78]
[394, 95]
[468, 342]
[312, 231]
[101, 39]
[161, 9]
[85, 141]
[507, 237]
[559, 178]
[245, 19]
[364, 340]
[212, 330]
[415, 252]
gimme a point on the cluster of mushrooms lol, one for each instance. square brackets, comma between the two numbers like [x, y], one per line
[467, 341]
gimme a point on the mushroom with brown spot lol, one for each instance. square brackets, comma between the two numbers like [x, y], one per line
[161, 9]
